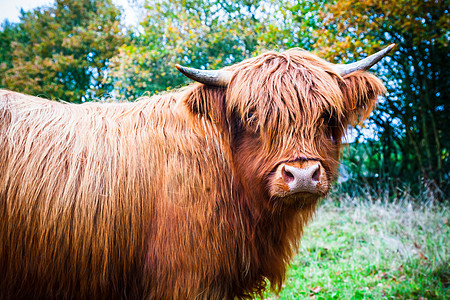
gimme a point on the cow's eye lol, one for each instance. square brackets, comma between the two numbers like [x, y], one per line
[251, 117]
[251, 121]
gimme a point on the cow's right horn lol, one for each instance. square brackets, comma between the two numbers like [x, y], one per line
[209, 77]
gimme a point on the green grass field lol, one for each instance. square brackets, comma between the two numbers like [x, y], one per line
[372, 249]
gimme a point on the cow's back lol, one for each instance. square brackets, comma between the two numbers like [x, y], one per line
[96, 200]
[65, 199]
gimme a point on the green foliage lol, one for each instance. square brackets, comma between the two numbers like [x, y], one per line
[8, 34]
[61, 52]
[200, 34]
[372, 249]
[412, 121]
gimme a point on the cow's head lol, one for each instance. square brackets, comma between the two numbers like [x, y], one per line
[286, 114]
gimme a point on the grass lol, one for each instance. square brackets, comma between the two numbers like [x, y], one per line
[372, 249]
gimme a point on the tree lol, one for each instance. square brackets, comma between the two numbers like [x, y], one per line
[8, 33]
[201, 34]
[412, 120]
[62, 51]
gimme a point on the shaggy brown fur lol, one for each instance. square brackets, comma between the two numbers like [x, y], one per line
[168, 197]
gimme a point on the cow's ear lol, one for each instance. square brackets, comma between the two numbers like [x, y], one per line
[208, 101]
[361, 90]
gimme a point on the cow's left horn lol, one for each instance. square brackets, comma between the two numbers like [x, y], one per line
[364, 64]
[208, 77]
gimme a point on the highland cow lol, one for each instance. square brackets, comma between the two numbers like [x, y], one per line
[201, 193]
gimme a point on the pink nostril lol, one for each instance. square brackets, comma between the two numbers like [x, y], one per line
[287, 176]
[316, 175]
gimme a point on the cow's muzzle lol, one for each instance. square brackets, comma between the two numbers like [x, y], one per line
[302, 177]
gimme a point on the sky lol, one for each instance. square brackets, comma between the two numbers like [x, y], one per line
[10, 9]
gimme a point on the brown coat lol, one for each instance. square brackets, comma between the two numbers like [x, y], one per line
[170, 197]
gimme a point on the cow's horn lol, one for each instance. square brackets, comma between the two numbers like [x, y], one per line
[364, 64]
[208, 77]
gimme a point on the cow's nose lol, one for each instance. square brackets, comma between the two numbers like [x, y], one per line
[301, 179]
